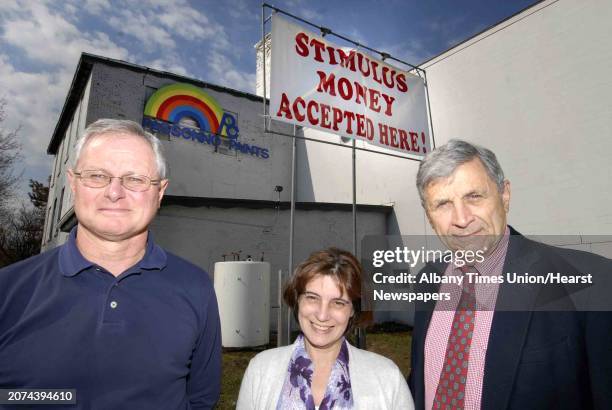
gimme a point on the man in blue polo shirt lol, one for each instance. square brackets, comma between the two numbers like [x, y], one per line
[110, 313]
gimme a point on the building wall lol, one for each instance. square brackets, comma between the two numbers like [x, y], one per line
[535, 90]
[324, 172]
[203, 235]
[195, 169]
[59, 203]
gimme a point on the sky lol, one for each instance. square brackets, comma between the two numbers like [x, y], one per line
[41, 42]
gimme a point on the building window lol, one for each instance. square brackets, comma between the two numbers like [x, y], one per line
[59, 211]
[53, 176]
[52, 225]
[59, 159]
[47, 222]
[67, 143]
[78, 129]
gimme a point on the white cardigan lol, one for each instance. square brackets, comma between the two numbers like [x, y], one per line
[376, 382]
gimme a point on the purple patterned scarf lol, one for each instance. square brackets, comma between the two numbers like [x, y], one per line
[296, 393]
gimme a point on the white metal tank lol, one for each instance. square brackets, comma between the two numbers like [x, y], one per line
[243, 292]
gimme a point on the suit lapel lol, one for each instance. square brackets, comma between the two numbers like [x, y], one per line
[509, 329]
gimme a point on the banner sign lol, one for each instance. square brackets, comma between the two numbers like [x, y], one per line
[340, 90]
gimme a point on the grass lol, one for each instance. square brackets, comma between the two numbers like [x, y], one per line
[394, 345]
[234, 365]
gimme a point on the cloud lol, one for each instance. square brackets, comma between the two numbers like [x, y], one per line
[464, 36]
[447, 27]
[141, 27]
[243, 9]
[162, 24]
[298, 8]
[35, 90]
[41, 42]
[309, 14]
[96, 6]
[32, 103]
[189, 23]
[411, 51]
[49, 38]
[167, 64]
[225, 73]
[9, 5]
[353, 34]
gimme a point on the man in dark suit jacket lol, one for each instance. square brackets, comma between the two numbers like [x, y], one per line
[543, 347]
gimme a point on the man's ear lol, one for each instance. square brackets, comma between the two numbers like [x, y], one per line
[163, 184]
[506, 195]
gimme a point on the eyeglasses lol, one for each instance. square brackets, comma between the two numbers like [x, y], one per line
[99, 179]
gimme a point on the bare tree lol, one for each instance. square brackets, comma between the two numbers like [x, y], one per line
[21, 234]
[21, 226]
[10, 154]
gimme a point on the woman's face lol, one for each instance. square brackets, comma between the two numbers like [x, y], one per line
[324, 312]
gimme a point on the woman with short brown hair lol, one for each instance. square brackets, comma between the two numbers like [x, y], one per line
[321, 370]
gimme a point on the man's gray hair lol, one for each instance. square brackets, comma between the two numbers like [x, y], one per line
[108, 126]
[444, 160]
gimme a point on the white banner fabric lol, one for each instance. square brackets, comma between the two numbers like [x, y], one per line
[344, 91]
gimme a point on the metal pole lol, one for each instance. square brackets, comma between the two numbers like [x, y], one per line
[433, 140]
[361, 342]
[354, 173]
[280, 317]
[301, 137]
[263, 61]
[292, 223]
[360, 332]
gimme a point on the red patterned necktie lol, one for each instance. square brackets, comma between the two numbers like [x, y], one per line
[450, 393]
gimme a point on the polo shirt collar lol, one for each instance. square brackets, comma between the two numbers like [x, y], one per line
[155, 257]
[72, 261]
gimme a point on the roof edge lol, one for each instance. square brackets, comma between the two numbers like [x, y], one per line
[82, 72]
[193, 202]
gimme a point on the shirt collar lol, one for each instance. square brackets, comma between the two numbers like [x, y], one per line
[494, 259]
[73, 262]
[155, 257]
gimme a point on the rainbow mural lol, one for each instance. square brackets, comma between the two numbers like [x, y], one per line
[176, 101]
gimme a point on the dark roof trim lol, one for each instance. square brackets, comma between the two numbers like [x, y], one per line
[193, 202]
[81, 76]
[178, 77]
[77, 87]
[69, 220]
